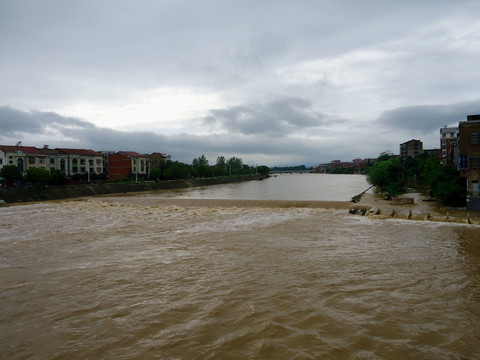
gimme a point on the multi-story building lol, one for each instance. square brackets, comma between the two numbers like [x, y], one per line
[79, 161]
[127, 164]
[434, 153]
[156, 159]
[51, 158]
[411, 148]
[469, 162]
[24, 157]
[448, 145]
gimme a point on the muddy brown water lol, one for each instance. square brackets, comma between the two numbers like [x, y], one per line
[134, 278]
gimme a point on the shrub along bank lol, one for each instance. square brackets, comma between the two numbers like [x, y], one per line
[392, 176]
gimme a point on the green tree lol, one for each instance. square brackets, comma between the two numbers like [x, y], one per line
[200, 164]
[11, 173]
[234, 163]
[221, 166]
[57, 177]
[155, 174]
[201, 161]
[178, 170]
[388, 176]
[37, 176]
[444, 183]
[263, 170]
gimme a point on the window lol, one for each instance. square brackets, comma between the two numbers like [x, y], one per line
[474, 161]
[52, 161]
[41, 161]
[82, 161]
[31, 159]
[99, 170]
[1, 161]
[463, 162]
[20, 164]
[99, 162]
[90, 162]
[74, 165]
[474, 138]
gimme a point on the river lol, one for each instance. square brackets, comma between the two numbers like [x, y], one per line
[145, 277]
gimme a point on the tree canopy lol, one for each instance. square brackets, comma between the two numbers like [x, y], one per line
[388, 176]
[11, 173]
[37, 176]
[391, 176]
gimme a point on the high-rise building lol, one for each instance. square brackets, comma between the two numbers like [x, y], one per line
[448, 145]
[411, 148]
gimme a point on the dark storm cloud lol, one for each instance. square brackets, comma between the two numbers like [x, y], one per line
[13, 121]
[424, 119]
[281, 116]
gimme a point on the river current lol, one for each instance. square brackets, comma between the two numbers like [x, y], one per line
[140, 277]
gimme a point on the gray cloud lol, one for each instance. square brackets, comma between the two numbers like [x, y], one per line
[13, 121]
[424, 119]
[70, 132]
[281, 116]
[283, 81]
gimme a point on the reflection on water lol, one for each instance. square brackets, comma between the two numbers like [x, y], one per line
[121, 279]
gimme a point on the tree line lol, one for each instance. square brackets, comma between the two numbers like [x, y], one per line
[168, 170]
[200, 167]
[394, 176]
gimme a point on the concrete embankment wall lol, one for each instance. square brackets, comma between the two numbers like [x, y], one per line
[64, 192]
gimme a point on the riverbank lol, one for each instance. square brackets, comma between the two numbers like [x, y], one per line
[423, 208]
[32, 194]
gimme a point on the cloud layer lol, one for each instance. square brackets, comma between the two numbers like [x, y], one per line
[276, 82]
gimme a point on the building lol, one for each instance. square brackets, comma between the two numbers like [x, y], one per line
[51, 158]
[24, 157]
[156, 159]
[127, 164]
[469, 162]
[448, 145]
[433, 153]
[411, 148]
[79, 161]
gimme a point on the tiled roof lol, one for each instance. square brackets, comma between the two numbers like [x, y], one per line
[132, 153]
[81, 152]
[25, 149]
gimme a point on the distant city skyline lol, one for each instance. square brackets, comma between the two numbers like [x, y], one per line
[272, 82]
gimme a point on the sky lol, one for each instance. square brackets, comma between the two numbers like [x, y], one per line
[271, 82]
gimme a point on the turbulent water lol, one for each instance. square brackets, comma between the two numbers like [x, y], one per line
[132, 278]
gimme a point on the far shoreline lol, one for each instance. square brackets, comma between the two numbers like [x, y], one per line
[62, 192]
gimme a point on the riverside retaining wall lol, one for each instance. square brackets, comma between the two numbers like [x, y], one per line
[30, 194]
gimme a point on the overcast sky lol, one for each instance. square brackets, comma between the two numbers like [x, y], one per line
[272, 82]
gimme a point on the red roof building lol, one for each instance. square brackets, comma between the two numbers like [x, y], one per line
[23, 157]
[126, 165]
[80, 161]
